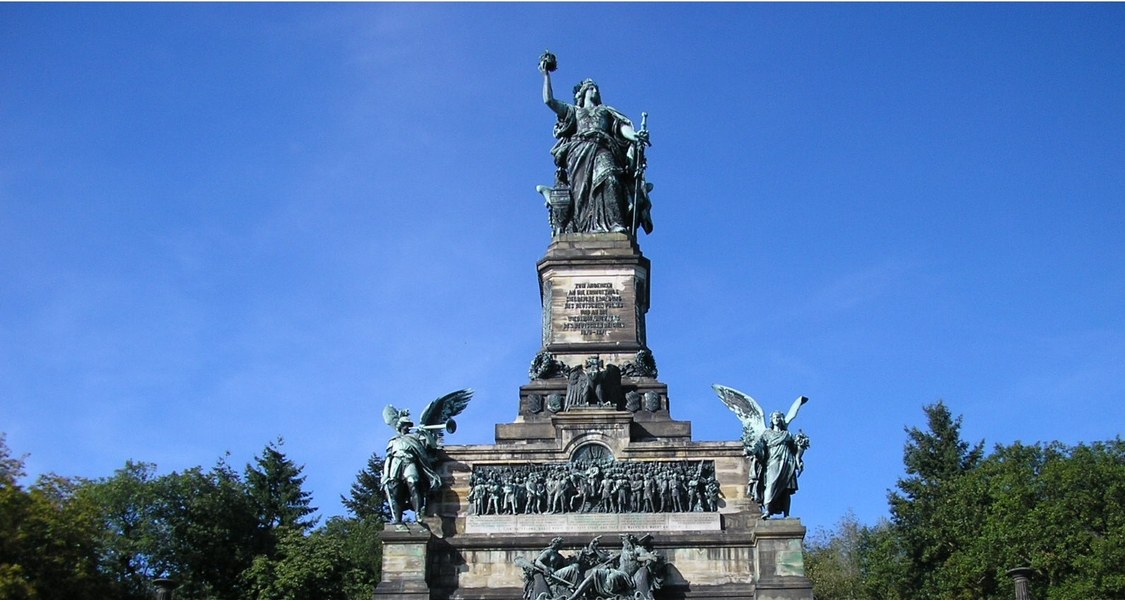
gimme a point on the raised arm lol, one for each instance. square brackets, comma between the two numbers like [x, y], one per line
[559, 108]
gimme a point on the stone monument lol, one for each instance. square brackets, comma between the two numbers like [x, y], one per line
[594, 452]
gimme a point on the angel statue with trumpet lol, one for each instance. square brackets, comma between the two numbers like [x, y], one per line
[409, 470]
[776, 455]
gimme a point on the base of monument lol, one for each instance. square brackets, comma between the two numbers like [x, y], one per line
[725, 592]
[730, 592]
[763, 562]
[405, 562]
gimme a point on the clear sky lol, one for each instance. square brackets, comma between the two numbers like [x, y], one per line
[226, 223]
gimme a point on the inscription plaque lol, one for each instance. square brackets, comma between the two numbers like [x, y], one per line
[601, 309]
[593, 309]
[593, 522]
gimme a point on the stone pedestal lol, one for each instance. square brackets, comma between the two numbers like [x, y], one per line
[405, 563]
[731, 553]
[779, 565]
[594, 289]
[595, 294]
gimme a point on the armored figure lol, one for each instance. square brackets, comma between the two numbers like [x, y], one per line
[531, 491]
[550, 575]
[408, 469]
[509, 490]
[409, 473]
[495, 493]
[649, 492]
[476, 498]
[676, 491]
[712, 491]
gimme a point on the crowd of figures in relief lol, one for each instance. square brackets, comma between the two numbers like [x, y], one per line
[594, 486]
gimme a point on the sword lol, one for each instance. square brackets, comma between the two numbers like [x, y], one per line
[639, 174]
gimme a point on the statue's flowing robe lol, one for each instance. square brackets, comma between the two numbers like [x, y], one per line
[609, 581]
[594, 154]
[779, 480]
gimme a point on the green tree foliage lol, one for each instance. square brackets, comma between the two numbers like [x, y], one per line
[106, 539]
[48, 538]
[1083, 514]
[832, 560]
[368, 499]
[961, 520]
[197, 527]
[883, 563]
[15, 538]
[331, 563]
[935, 460]
[1058, 510]
[274, 483]
[363, 550]
[130, 533]
[211, 527]
[855, 561]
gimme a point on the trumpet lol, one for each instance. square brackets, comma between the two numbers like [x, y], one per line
[450, 426]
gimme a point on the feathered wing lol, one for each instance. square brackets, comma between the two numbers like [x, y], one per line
[796, 406]
[744, 407]
[445, 408]
[390, 415]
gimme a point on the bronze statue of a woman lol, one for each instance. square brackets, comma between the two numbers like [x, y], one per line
[599, 176]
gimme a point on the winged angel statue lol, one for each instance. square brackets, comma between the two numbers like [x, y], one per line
[776, 455]
[409, 470]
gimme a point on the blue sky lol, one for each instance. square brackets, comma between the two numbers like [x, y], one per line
[224, 223]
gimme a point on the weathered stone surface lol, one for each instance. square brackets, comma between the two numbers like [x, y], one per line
[779, 565]
[596, 523]
[406, 563]
[546, 426]
[729, 554]
[595, 293]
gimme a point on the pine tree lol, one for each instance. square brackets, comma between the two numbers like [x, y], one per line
[275, 488]
[934, 461]
[368, 499]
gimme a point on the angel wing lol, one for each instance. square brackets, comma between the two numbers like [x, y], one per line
[440, 411]
[745, 408]
[390, 415]
[796, 406]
